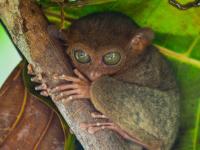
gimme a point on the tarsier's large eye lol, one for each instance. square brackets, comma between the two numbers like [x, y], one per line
[81, 56]
[111, 58]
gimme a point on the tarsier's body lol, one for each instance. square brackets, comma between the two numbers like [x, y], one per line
[128, 80]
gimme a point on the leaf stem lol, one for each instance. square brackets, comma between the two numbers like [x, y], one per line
[192, 46]
[181, 57]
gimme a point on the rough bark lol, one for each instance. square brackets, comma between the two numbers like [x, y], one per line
[28, 29]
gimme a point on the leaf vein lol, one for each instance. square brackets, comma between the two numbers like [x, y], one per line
[181, 57]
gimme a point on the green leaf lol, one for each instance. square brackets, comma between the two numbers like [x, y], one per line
[8, 55]
[178, 39]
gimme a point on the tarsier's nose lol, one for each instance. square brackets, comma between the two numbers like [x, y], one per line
[94, 75]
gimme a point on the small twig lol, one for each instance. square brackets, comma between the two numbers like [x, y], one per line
[81, 3]
[195, 3]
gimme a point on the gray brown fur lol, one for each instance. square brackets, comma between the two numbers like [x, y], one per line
[102, 29]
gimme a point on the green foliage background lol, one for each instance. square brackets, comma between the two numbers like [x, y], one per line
[9, 57]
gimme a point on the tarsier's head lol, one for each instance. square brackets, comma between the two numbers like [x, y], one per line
[104, 43]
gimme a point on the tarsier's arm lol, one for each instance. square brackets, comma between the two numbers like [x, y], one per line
[150, 114]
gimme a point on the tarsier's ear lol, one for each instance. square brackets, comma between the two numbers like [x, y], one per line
[141, 39]
[57, 33]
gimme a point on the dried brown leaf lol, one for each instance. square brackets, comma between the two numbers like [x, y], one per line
[25, 122]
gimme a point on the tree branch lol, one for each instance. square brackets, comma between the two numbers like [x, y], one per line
[28, 29]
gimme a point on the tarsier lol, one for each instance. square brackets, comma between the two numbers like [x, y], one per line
[124, 77]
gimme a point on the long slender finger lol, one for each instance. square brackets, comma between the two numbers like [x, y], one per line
[62, 87]
[98, 124]
[122, 133]
[44, 93]
[94, 129]
[67, 78]
[112, 126]
[37, 78]
[80, 75]
[98, 115]
[43, 86]
[66, 93]
[72, 98]
[30, 69]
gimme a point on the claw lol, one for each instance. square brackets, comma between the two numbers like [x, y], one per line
[30, 69]
[44, 93]
[43, 86]
[37, 79]
[55, 77]
[70, 98]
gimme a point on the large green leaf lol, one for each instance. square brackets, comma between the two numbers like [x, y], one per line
[177, 37]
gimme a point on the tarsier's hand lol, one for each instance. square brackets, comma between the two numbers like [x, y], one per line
[37, 78]
[105, 123]
[77, 88]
